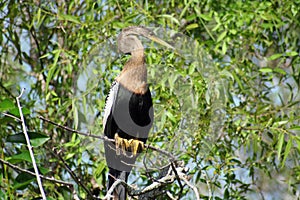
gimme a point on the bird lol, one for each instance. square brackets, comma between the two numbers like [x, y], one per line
[128, 112]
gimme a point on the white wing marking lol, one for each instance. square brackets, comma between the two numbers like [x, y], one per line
[110, 100]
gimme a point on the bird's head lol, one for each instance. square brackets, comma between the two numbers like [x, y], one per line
[128, 41]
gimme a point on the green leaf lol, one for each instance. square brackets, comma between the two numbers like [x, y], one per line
[23, 180]
[238, 80]
[292, 53]
[171, 116]
[69, 155]
[172, 18]
[266, 70]
[287, 150]
[224, 47]
[295, 128]
[275, 56]
[36, 139]
[75, 113]
[279, 123]
[280, 70]
[192, 26]
[100, 168]
[280, 144]
[24, 156]
[15, 111]
[69, 18]
[222, 36]
[6, 104]
[205, 17]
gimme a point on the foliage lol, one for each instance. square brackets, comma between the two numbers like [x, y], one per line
[227, 103]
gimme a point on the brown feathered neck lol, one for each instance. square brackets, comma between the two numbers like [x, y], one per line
[134, 74]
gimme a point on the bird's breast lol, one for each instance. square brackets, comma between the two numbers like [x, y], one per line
[133, 112]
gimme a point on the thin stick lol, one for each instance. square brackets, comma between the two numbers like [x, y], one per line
[177, 177]
[30, 147]
[9, 115]
[33, 174]
[73, 175]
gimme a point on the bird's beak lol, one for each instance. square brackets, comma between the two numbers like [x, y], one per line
[160, 41]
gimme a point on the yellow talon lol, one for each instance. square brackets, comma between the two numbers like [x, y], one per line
[136, 146]
[118, 141]
[132, 145]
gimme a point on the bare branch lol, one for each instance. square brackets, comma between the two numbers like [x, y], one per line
[177, 176]
[30, 147]
[33, 174]
[151, 190]
[174, 173]
[104, 138]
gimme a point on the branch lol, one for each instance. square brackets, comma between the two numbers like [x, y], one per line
[112, 188]
[191, 186]
[177, 176]
[11, 116]
[73, 175]
[104, 138]
[155, 188]
[30, 147]
[178, 172]
[151, 189]
[33, 174]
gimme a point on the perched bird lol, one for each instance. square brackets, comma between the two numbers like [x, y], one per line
[128, 113]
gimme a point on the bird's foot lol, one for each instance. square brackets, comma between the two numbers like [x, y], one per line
[132, 145]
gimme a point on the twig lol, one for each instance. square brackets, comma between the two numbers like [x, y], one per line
[168, 178]
[73, 175]
[191, 186]
[179, 174]
[177, 177]
[104, 138]
[208, 186]
[171, 196]
[30, 147]
[12, 116]
[33, 174]
[112, 188]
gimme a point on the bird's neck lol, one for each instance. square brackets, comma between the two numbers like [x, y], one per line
[134, 74]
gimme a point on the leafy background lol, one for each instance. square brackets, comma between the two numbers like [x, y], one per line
[227, 104]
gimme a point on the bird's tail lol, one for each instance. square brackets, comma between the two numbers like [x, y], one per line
[119, 192]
